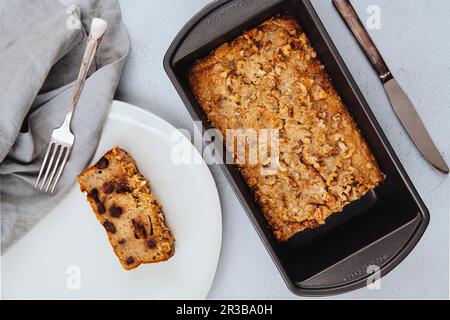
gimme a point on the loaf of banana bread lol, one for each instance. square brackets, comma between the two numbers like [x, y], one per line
[123, 202]
[271, 78]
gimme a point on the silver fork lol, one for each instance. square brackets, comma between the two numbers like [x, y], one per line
[62, 138]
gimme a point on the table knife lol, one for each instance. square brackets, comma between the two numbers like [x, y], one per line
[402, 105]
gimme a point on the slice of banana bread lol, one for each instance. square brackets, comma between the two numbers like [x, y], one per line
[124, 204]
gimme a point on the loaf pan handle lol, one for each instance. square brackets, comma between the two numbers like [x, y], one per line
[366, 265]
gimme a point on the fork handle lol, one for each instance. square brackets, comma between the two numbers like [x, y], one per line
[98, 28]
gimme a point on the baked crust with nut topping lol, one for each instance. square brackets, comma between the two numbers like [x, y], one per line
[271, 78]
[122, 200]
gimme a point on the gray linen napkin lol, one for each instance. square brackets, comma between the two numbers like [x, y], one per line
[41, 47]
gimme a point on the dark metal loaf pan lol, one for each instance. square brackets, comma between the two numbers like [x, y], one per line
[379, 229]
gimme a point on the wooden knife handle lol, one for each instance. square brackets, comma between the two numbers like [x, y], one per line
[349, 15]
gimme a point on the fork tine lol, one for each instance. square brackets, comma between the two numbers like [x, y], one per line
[43, 164]
[55, 167]
[63, 164]
[50, 165]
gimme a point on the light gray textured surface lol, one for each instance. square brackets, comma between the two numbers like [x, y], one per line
[414, 42]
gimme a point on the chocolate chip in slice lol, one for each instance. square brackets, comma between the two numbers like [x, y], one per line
[130, 260]
[103, 163]
[108, 187]
[123, 187]
[101, 208]
[139, 230]
[115, 211]
[151, 225]
[109, 226]
[151, 243]
[122, 241]
[94, 194]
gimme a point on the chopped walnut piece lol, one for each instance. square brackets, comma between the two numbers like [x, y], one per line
[318, 93]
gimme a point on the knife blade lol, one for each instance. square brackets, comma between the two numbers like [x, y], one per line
[410, 119]
[402, 105]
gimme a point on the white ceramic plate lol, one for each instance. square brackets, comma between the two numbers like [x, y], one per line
[67, 255]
